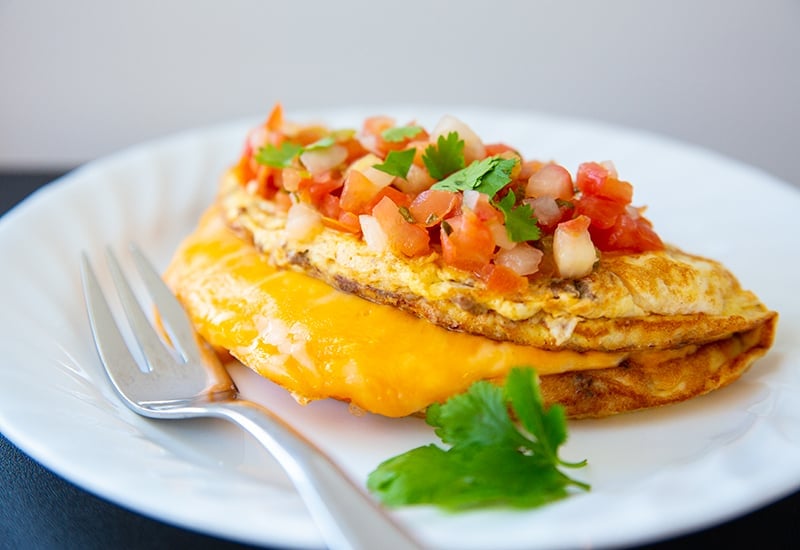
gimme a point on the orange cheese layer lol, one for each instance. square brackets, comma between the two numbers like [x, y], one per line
[318, 342]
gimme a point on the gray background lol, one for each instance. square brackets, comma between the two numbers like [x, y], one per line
[82, 78]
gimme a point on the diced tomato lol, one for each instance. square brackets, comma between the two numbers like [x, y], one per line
[355, 149]
[617, 190]
[590, 176]
[493, 149]
[350, 221]
[603, 212]
[347, 222]
[358, 193]
[265, 181]
[397, 196]
[274, 121]
[483, 208]
[432, 206]
[329, 207]
[408, 238]
[629, 233]
[594, 179]
[318, 190]
[500, 278]
[467, 242]
[375, 125]
[243, 171]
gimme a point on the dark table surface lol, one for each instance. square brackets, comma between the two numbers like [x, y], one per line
[38, 509]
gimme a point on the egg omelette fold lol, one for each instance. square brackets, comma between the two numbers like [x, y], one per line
[328, 317]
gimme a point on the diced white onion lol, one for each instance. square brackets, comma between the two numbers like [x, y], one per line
[290, 179]
[523, 259]
[551, 180]
[473, 146]
[545, 209]
[374, 235]
[417, 181]
[470, 199]
[302, 222]
[501, 235]
[634, 212]
[573, 251]
[364, 162]
[318, 161]
[612, 170]
[379, 178]
[365, 165]
[257, 138]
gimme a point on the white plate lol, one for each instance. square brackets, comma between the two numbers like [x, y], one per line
[654, 474]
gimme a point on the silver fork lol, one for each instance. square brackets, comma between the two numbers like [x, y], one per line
[189, 381]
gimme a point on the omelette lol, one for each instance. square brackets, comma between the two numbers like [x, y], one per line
[391, 268]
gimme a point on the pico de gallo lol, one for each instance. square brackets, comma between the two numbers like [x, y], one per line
[481, 206]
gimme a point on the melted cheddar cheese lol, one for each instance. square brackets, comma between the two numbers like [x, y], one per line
[318, 342]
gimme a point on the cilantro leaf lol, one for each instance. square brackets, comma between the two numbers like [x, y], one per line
[487, 176]
[491, 459]
[548, 427]
[519, 220]
[478, 417]
[283, 156]
[397, 134]
[446, 157]
[323, 143]
[278, 157]
[462, 481]
[397, 163]
[497, 177]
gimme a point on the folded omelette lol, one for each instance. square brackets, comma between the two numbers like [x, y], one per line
[391, 268]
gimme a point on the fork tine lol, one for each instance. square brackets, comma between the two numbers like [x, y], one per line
[155, 352]
[120, 365]
[173, 317]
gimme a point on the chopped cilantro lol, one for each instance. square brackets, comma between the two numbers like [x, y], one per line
[446, 157]
[565, 203]
[407, 215]
[324, 143]
[397, 134]
[283, 156]
[519, 220]
[488, 176]
[397, 163]
[491, 460]
[278, 157]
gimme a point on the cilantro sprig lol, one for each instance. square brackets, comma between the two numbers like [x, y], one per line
[283, 156]
[446, 157]
[487, 176]
[279, 157]
[521, 224]
[396, 134]
[491, 460]
[397, 163]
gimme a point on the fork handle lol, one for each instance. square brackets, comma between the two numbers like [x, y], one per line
[347, 517]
